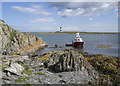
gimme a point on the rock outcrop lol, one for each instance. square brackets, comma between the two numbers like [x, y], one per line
[14, 42]
[102, 68]
[108, 67]
[67, 60]
[15, 68]
[67, 66]
[57, 67]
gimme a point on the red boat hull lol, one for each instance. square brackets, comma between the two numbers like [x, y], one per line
[78, 44]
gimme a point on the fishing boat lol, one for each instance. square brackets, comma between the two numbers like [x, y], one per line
[78, 41]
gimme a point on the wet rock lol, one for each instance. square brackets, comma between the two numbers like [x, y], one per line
[56, 45]
[46, 63]
[107, 66]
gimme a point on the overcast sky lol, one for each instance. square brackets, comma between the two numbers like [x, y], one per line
[72, 16]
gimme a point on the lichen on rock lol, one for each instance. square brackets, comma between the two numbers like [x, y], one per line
[67, 60]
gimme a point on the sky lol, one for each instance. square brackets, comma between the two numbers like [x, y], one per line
[72, 16]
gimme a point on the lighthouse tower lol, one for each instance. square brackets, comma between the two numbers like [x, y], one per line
[60, 29]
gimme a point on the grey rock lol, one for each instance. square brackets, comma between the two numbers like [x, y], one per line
[8, 74]
[65, 61]
[6, 82]
[5, 77]
[15, 68]
[13, 41]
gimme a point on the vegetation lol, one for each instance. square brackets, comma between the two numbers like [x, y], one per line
[3, 24]
[45, 57]
[18, 80]
[8, 27]
[4, 67]
[27, 70]
[28, 34]
[23, 78]
[12, 35]
[108, 67]
[39, 73]
[26, 84]
[9, 43]
[104, 46]
[11, 38]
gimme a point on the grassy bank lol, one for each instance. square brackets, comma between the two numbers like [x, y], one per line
[76, 32]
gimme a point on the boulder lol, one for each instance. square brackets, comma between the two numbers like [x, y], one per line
[15, 68]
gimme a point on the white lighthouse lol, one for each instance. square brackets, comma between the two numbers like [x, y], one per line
[60, 29]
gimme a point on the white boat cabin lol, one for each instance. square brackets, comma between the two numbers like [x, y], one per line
[78, 38]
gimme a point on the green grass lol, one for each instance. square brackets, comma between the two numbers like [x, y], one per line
[18, 80]
[39, 73]
[26, 84]
[11, 38]
[9, 43]
[12, 35]
[3, 68]
[3, 24]
[23, 78]
[8, 27]
[27, 70]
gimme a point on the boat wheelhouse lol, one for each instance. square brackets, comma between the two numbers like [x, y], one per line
[78, 41]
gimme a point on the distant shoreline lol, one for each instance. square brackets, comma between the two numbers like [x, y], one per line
[75, 33]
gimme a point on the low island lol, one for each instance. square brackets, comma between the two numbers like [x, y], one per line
[65, 32]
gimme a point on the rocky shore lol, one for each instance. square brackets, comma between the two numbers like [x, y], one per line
[68, 66]
[13, 42]
[20, 64]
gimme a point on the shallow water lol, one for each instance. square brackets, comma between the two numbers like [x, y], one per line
[91, 41]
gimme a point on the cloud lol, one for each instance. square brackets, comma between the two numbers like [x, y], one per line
[96, 24]
[90, 19]
[42, 20]
[70, 12]
[69, 9]
[34, 9]
[116, 9]
[54, 23]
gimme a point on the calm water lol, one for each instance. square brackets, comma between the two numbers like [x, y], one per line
[91, 40]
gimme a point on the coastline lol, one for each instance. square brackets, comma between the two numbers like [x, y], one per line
[46, 68]
[75, 33]
[21, 65]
